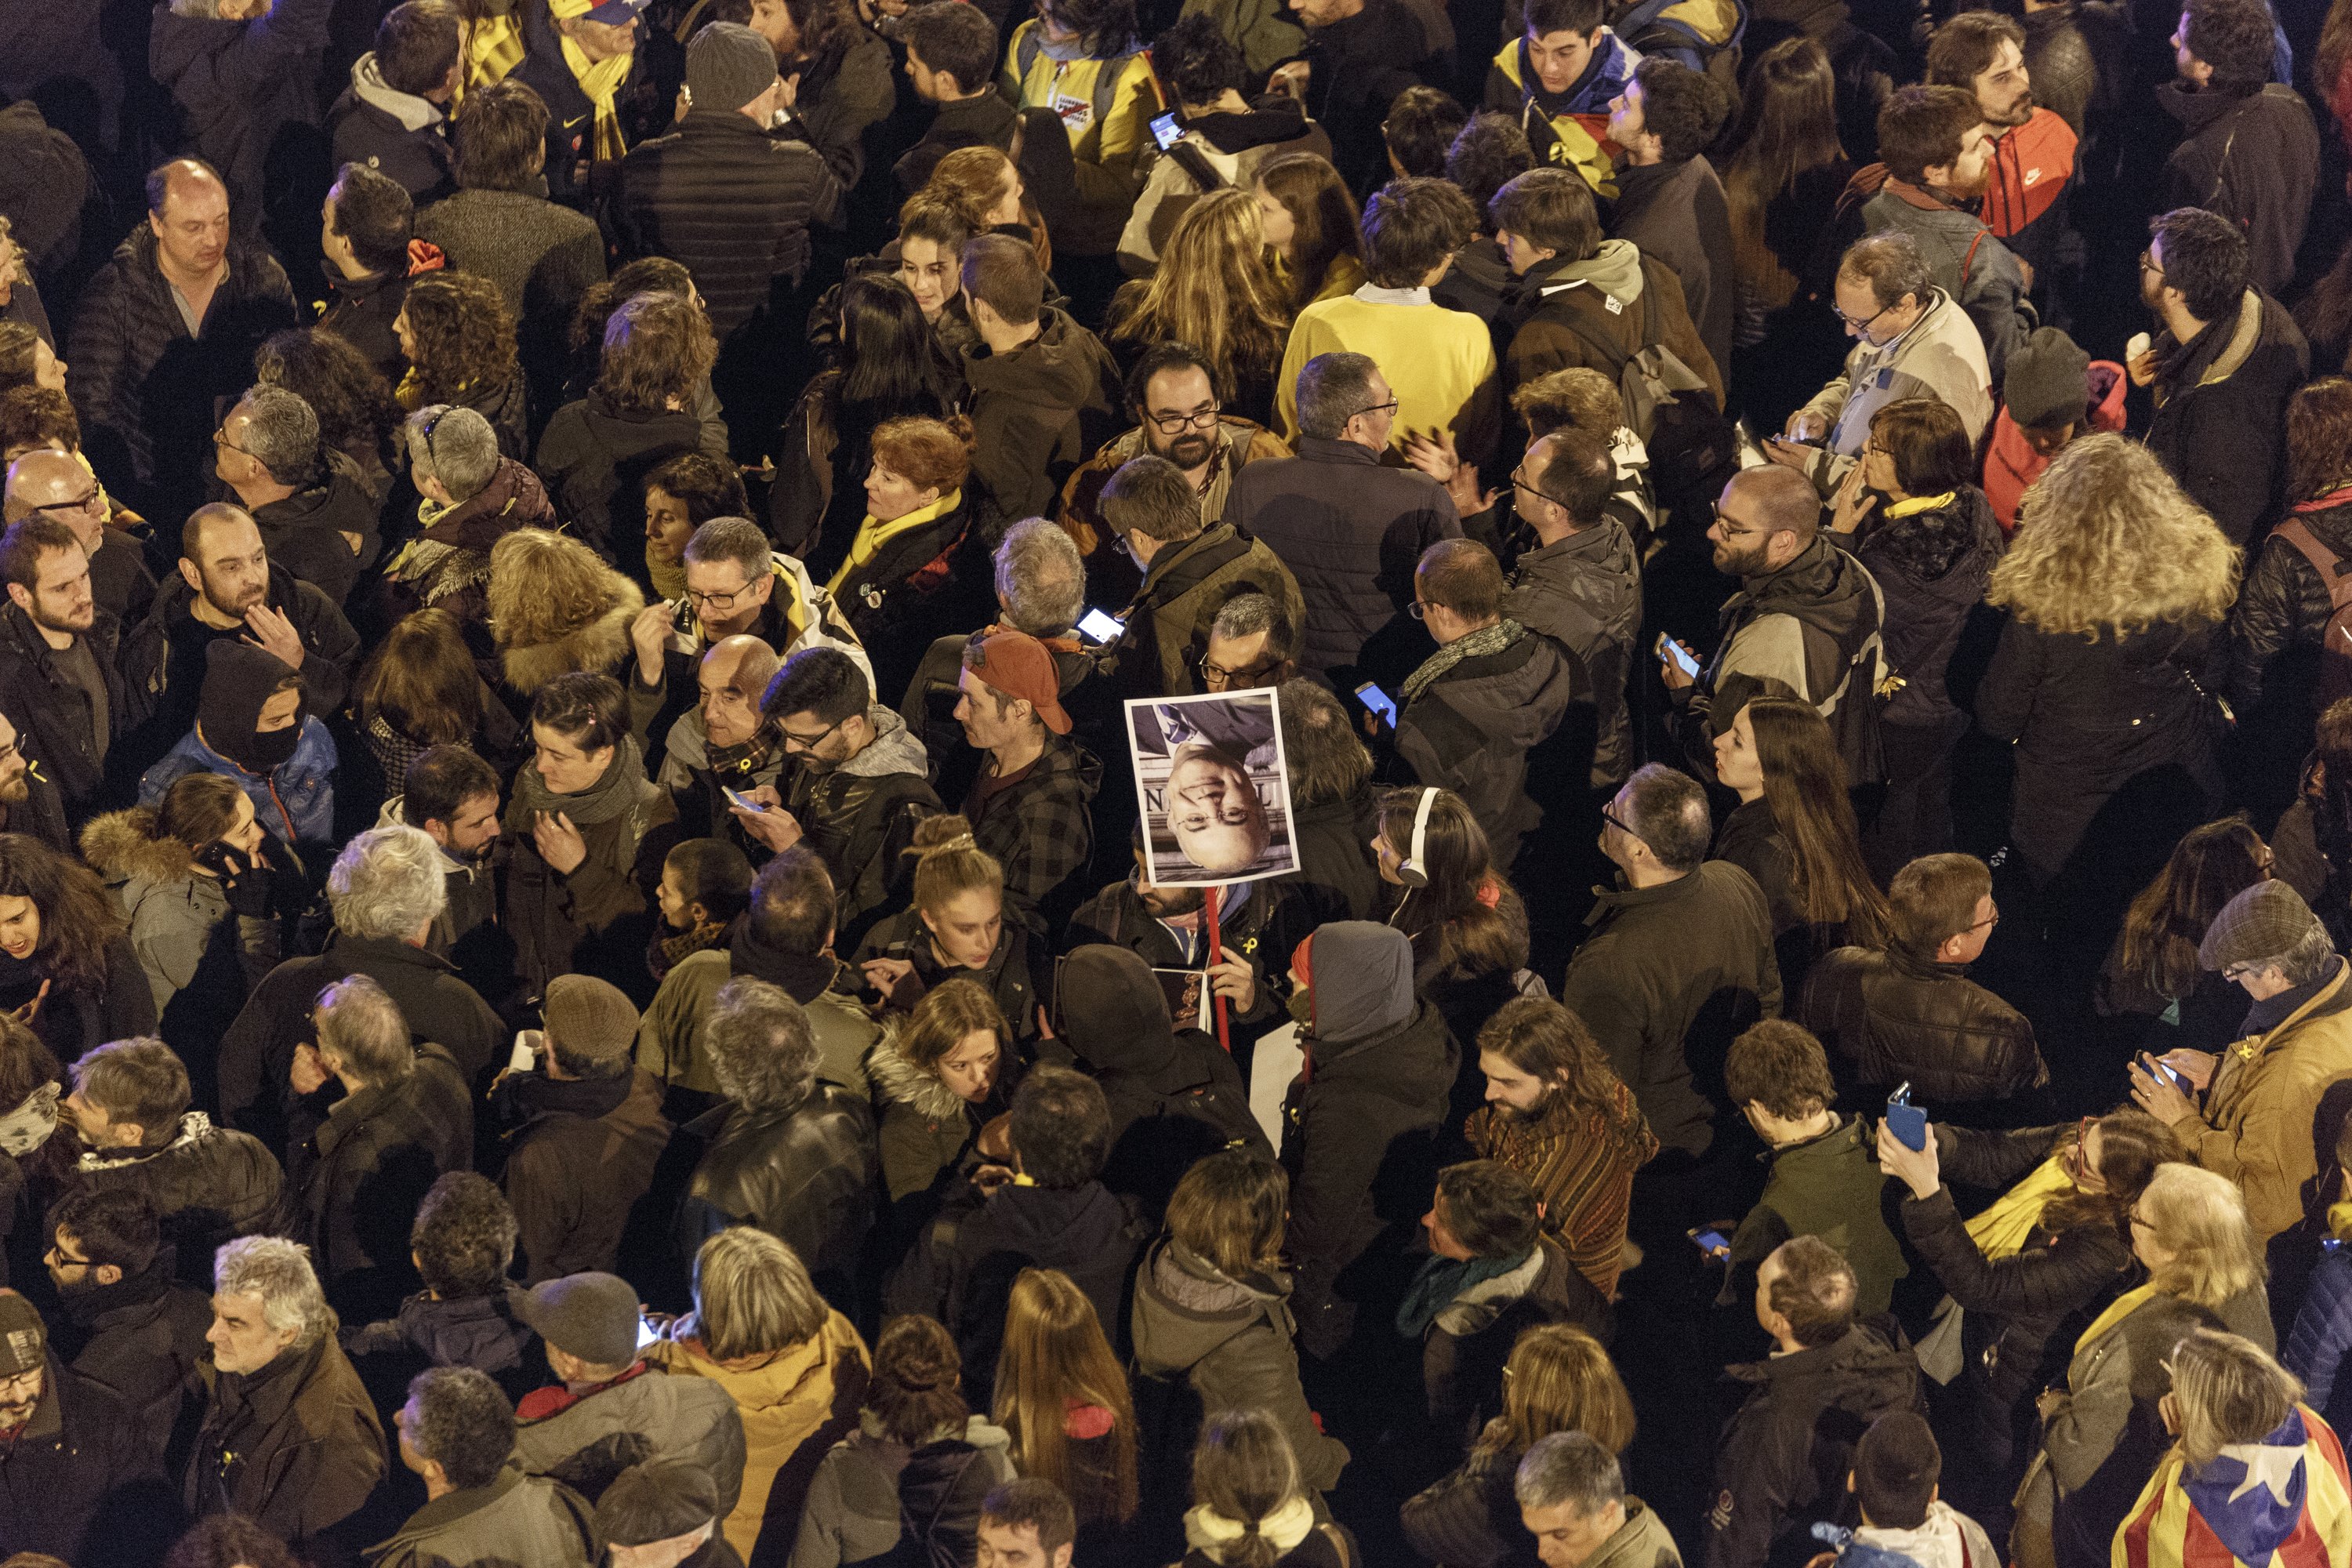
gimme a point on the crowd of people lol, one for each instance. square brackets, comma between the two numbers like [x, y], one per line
[589, 971]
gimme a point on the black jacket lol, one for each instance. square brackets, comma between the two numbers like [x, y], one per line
[643, 103]
[1933, 566]
[83, 1481]
[1352, 530]
[304, 532]
[806, 1172]
[478, 1331]
[2077, 53]
[1360, 63]
[247, 94]
[2252, 157]
[593, 459]
[1038, 412]
[1337, 879]
[1469, 1518]
[369, 123]
[1503, 731]
[732, 203]
[361, 310]
[987, 121]
[1666, 977]
[2221, 402]
[1784, 1456]
[1011, 975]
[209, 1185]
[1887, 1018]
[580, 1155]
[141, 1336]
[2282, 603]
[1676, 213]
[55, 726]
[146, 392]
[1584, 592]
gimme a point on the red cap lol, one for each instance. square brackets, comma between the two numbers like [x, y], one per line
[1018, 665]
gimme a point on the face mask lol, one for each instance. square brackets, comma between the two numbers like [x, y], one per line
[268, 750]
[1302, 1008]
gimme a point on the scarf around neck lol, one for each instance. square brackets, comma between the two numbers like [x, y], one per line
[624, 791]
[1485, 640]
[1441, 1280]
[872, 535]
[28, 1126]
[599, 81]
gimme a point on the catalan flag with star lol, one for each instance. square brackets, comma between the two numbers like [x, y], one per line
[2282, 1502]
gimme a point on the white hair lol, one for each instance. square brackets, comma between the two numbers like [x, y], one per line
[387, 882]
[279, 1272]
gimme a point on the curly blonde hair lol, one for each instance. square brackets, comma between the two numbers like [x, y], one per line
[1214, 290]
[556, 607]
[2107, 541]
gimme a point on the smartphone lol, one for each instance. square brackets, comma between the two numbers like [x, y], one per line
[1102, 627]
[2331, 1245]
[2167, 1072]
[1908, 1122]
[1684, 660]
[524, 1057]
[1378, 702]
[647, 1332]
[739, 798]
[1711, 1241]
[1167, 130]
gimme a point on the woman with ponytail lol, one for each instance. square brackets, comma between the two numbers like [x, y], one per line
[1248, 1508]
[954, 930]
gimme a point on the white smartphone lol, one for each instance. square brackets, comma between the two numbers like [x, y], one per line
[525, 1055]
[1101, 626]
[1684, 660]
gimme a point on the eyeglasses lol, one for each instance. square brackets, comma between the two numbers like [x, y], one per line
[2238, 970]
[1612, 819]
[24, 1385]
[2148, 263]
[721, 602]
[1388, 407]
[1862, 324]
[220, 439]
[81, 504]
[1735, 528]
[1202, 418]
[809, 742]
[1992, 920]
[1519, 484]
[1217, 674]
[57, 1256]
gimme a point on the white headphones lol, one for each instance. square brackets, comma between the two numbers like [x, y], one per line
[1412, 873]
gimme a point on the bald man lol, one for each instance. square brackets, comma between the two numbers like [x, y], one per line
[227, 587]
[166, 330]
[1806, 614]
[56, 484]
[719, 741]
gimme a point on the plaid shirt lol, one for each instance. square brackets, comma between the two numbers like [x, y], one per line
[1039, 830]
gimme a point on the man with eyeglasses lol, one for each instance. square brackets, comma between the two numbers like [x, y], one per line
[1252, 643]
[72, 1453]
[722, 743]
[1189, 570]
[29, 802]
[1912, 340]
[2254, 1112]
[58, 485]
[1909, 1012]
[313, 507]
[860, 784]
[1179, 417]
[123, 1320]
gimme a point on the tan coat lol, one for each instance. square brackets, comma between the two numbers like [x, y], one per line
[2261, 1123]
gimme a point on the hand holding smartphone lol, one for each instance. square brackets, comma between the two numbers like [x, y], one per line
[1377, 702]
[1668, 649]
[2159, 1068]
[1102, 627]
[1713, 1240]
[739, 800]
[1908, 1122]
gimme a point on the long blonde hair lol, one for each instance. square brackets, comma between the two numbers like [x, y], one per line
[1560, 1379]
[2107, 541]
[2199, 1218]
[1055, 1356]
[1214, 290]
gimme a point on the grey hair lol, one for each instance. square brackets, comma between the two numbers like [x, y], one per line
[279, 1272]
[1040, 578]
[462, 452]
[1891, 263]
[2308, 960]
[358, 1021]
[1569, 1469]
[762, 1048]
[1332, 389]
[283, 435]
[1667, 811]
[1246, 615]
[735, 539]
[387, 882]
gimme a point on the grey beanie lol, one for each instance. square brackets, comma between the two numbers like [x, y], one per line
[727, 66]
[2047, 380]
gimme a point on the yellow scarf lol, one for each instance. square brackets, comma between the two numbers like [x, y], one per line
[669, 576]
[872, 536]
[2122, 1307]
[2002, 1229]
[600, 81]
[1920, 503]
[493, 49]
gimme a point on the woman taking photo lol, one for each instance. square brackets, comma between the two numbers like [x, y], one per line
[885, 367]
[940, 1076]
[1557, 1379]
[919, 1453]
[1910, 510]
[1249, 1508]
[2028, 1272]
[2153, 994]
[1311, 228]
[2114, 587]
[955, 929]
[66, 966]
[422, 689]
[1793, 831]
[2285, 604]
[794, 1367]
[897, 580]
[1062, 1396]
[2101, 1434]
[1212, 290]
[1213, 1306]
[460, 340]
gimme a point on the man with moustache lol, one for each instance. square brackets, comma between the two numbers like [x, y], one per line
[1937, 155]
[453, 796]
[2032, 170]
[52, 484]
[71, 1454]
[722, 742]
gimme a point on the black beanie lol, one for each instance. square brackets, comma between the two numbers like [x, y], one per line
[238, 680]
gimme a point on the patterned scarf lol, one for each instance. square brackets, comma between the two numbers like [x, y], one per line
[670, 950]
[736, 766]
[1485, 640]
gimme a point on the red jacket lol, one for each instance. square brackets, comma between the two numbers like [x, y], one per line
[2010, 465]
[2030, 166]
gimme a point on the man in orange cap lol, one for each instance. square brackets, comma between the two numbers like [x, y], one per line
[1029, 806]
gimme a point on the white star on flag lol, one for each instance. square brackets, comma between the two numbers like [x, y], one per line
[2267, 1465]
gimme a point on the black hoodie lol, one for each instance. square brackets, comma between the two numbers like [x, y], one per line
[239, 682]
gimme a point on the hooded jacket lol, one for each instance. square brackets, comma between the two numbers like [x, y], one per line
[1965, 258]
[1491, 725]
[593, 459]
[295, 799]
[1584, 592]
[534, 646]
[805, 1172]
[670, 1409]
[1562, 306]
[1361, 1123]
[926, 1127]
[246, 91]
[1174, 1098]
[2252, 156]
[868, 1489]
[860, 817]
[448, 564]
[309, 532]
[2221, 402]
[209, 1185]
[182, 927]
[1037, 412]
[478, 1331]
[1941, 356]
[399, 135]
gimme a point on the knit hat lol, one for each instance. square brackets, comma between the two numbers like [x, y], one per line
[24, 1337]
[1018, 665]
[727, 66]
[2047, 380]
[2264, 922]
[660, 1499]
[591, 1316]
[590, 1017]
[239, 682]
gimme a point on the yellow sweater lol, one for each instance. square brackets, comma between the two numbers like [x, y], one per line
[1440, 363]
[1067, 86]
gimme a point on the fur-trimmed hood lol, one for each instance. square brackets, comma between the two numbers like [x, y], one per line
[896, 1078]
[122, 844]
[535, 650]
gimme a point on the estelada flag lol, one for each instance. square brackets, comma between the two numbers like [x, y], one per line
[2282, 1502]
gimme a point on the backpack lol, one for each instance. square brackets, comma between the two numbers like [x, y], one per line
[1650, 33]
[2336, 637]
[1690, 443]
